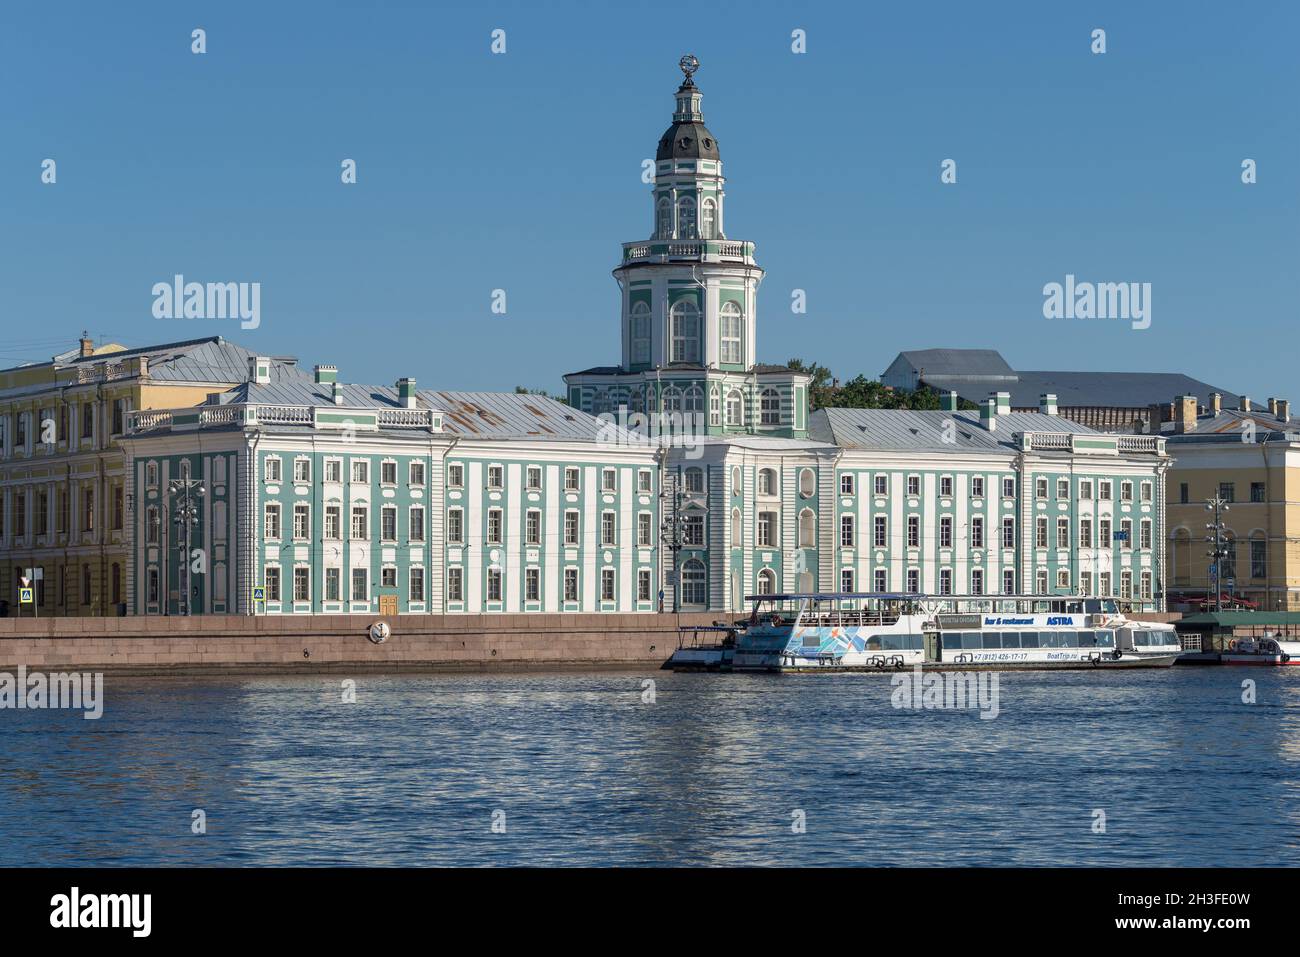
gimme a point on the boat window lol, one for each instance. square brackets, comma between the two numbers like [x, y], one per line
[1105, 639]
[1010, 639]
[992, 639]
[951, 642]
[1087, 639]
[970, 640]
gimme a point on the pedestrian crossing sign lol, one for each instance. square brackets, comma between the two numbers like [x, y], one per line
[26, 596]
[259, 593]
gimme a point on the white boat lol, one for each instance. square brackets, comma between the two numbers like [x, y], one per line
[864, 631]
[1261, 651]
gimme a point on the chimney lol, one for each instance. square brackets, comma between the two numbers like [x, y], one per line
[1047, 403]
[1245, 403]
[1185, 414]
[989, 414]
[87, 345]
[337, 388]
[1272, 407]
[324, 375]
[406, 393]
[1216, 403]
[1003, 402]
[1284, 410]
[948, 402]
[259, 370]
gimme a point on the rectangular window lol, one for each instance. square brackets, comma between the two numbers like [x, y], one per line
[532, 584]
[1085, 490]
[880, 531]
[1104, 539]
[388, 523]
[607, 528]
[643, 587]
[271, 578]
[846, 483]
[1103, 491]
[881, 578]
[332, 584]
[571, 480]
[1146, 586]
[271, 527]
[945, 531]
[609, 480]
[456, 476]
[119, 507]
[388, 472]
[1125, 584]
[333, 522]
[644, 529]
[846, 531]
[415, 475]
[1040, 581]
[977, 581]
[534, 477]
[1183, 493]
[415, 520]
[360, 471]
[766, 533]
[494, 526]
[913, 531]
[913, 580]
[1008, 532]
[1040, 532]
[496, 476]
[607, 584]
[1146, 492]
[945, 581]
[1062, 489]
[882, 484]
[1126, 534]
[360, 523]
[1008, 581]
[1085, 533]
[301, 521]
[494, 584]
[455, 526]
[1126, 491]
[1085, 583]
[1104, 585]
[977, 486]
[693, 531]
[846, 580]
[945, 486]
[334, 470]
[1145, 541]
[87, 421]
[570, 584]
[417, 584]
[977, 532]
[914, 485]
[301, 583]
[533, 527]
[302, 470]
[455, 584]
[1257, 492]
[1040, 488]
[272, 467]
[1062, 533]
[1008, 488]
[571, 528]
[644, 480]
[1063, 579]
[360, 584]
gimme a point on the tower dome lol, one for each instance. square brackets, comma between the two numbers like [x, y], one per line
[688, 137]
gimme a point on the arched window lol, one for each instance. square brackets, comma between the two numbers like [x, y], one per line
[807, 483]
[708, 220]
[735, 409]
[736, 487]
[686, 218]
[770, 407]
[767, 482]
[672, 399]
[730, 323]
[693, 400]
[640, 321]
[664, 218]
[807, 529]
[684, 319]
[737, 530]
[694, 583]
[766, 582]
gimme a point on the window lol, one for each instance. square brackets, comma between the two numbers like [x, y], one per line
[639, 320]
[1103, 490]
[730, 323]
[684, 330]
[694, 591]
[360, 523]
[301, 583]
[945, 531]
[1085, 490]
[332, 584]
[301, 521]
[846, 483]
[882, 484]
[455, 584]
[416, 592]
[880, 531]
[694, 481]
[643, 584]
[415, 523]
[945, 486]
[119, 507]
[271, 526]
[766, 529]
[1062, 533]
[388, 523]
[664, 218]
[686, 218]
[272, 468]
[570, 584]
[977, 581]
[1104, 584]
[1126, 491]
[770, 407]
[977, 532]
[1063, 579]
[87, 421]
[533, 479]
[607, 584]
[1146, 492]
[708, 217]
[766, 582]
[645, 481]
[913, 581]
[945, 581]
[1040, 488]
[1125, 584]
[1182, 493]
[151, 526]
[151, 475]
[1085, 533]
[360, 584]
[1085, 583]
[977, 486]
[271, 579]
[1104, 539]
[735, 409]
[360, 471]
[609, 480]
[571, 482]
[533, 527]
[532, 584]
[456, 476]
[1145, 532]
[152, 594]
[846, 580]
[766, 482]
[1126, 534]
[1040, 532]
[571, 528]
[914, 485]
[607, 528]
[1146, 586]
[693, 530]
[1257, 492]
[455, 526]
[494, 584]
[1008, 581]
[334, 470]
[495, 476]
[644, 529]
[415, 473]
[1258, 558]
[1040, 581]
[881, 578]
[913, 531]
[494, 526]
[302, 470]
[1008, 488]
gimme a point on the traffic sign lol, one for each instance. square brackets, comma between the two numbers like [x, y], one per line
[27, 596]
[259, 593]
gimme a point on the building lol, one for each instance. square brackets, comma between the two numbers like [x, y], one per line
[1250, 458]
[321, 497]
[1108, 401]
[64, 499]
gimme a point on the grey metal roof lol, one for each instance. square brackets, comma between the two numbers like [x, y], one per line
[905, 429]
[965, 362]
[1082, 389]
[1227, 427]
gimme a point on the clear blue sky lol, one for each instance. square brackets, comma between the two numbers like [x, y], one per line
[522, 172]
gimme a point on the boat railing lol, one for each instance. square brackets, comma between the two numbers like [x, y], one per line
[849, 619]
[701, 636]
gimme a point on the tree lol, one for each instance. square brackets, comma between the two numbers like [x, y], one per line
[863, 393]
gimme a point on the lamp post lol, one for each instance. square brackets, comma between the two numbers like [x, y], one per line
[1218, 550]
[186, 518]
[672, 532]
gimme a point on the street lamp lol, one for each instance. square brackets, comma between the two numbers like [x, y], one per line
[672, 532]
[186, 518]
[1218, 546]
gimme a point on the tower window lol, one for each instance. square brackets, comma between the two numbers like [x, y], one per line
[664, 218]
[735, 409]
[708, 220]
[770, 408]
[729, 328]
[685, 323]
[686, 218]
[640, 321]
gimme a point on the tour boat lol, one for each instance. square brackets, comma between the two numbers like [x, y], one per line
[865, 631]
[1261, 651]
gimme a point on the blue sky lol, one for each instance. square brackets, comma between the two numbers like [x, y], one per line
[522, 172]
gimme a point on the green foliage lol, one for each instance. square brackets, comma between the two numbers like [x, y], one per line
[863, 393]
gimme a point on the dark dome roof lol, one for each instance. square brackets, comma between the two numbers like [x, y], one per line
[687, 141]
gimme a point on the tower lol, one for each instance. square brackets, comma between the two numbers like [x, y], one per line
[689, 301]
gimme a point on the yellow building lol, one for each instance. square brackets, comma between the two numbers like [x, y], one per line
[1250, 458]
[63, 498]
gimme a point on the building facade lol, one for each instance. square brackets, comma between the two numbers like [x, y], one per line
[64, 495]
